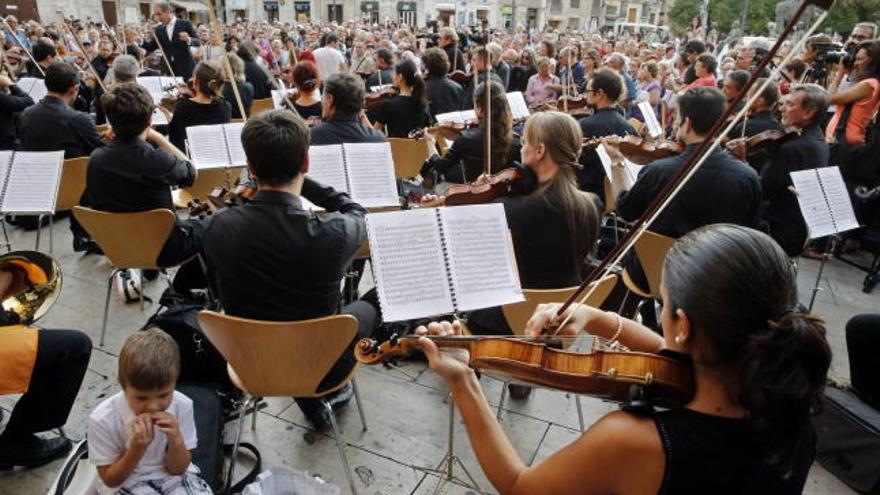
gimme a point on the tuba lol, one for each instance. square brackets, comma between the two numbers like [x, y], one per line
[30, 282]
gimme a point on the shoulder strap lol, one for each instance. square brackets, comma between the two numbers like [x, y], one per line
[254, 471]
[840, 130]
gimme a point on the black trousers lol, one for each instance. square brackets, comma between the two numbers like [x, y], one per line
[187, 238]
[862, 345]
[62, 359]
[367, 318]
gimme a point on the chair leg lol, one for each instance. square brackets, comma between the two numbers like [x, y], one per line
[141, 289]
[51, 236]
[254, 414]
[39, 232]
[237, 442]
[577, 403]
[341, 446]
[502, 401]
[357, 400]
[107, 306]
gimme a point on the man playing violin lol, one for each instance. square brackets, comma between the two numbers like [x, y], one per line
[448, 41]
[603, 92]
[801, 146]
[760, 118]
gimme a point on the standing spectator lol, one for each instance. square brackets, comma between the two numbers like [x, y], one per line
[328, 58]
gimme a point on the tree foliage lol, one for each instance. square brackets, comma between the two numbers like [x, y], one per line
[722, 13]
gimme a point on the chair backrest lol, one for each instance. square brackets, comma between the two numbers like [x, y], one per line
[272, 359]
[73, 183]
[518, 314]
[409, 155]
[651, 250]
[261, 105]
[129, 240]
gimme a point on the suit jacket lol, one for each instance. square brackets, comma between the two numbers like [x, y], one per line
[176, 50]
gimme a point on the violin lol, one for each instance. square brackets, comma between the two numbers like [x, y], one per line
[220, 197]
[461, 77]
[638, 149]
[454, 127]
[508, 182]
[175, 93]
[374, 100]
[761, 141]
[606, 372]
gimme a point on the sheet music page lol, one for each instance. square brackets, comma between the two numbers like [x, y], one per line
[327, 166]
[207, 147]
[443, 118]
[838, 199]
[468, 115]
[632, 170]
[814, 209]
[153, 85]
[654, 128]
[26, 83]
[33, 182]
[371, 174]
[411, 275]
[158, 117]
[518, 106]
[38, 90]
[233, 140]
[278, 97]
[380, 87]
[481, 259]
[605, 158]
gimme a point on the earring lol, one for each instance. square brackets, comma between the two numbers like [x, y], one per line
[679, 339]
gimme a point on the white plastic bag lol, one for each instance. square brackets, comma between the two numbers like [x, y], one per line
[286, 481]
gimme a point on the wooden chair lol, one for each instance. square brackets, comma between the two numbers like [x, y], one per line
[129, 240]
[651, 250]
[409, 155]
[283, 359]
[73, 183]
[205, 182]
[518, 314]
[261, 105]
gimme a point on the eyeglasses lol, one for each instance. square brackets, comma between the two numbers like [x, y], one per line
[860, 37]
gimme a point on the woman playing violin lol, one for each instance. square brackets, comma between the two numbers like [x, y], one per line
[245, 89]
[730, 308]
[465, 159]
[408, 109]
[205, 107]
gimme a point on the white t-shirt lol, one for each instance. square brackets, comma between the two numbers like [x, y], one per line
[107, 437]
[328, 60]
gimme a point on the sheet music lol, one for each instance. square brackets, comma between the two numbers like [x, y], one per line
[411, 274]
[34, 87]
[158, 117]
[481, 259]
[278, 97]
[457, 117]
[33, 182]
[632, 170]
[518, 107]
[838, 199]
[153, 85]
[207, 147]
[380, 87]
[371, 174]
[812, 202]
[650, 119]
[327, 166]
[26, 84]
[605, 158]
[233, 140]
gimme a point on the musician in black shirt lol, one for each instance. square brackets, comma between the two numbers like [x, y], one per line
[253, 72]
[12, 101]
[205, 108]
[448, 41]
[273, 260]
[465, 160]
[723, 190]
[407, 110]
[136, 170]
[342, 104]
[761, 118]
[480, 59]
[245, 89]
[382, 76]
[444, 94]
[603, 91]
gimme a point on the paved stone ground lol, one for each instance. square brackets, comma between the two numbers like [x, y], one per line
[406, 408]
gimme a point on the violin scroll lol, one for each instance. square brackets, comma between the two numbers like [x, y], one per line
[370, 352]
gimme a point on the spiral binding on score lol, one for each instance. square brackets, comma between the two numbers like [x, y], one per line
[345, 168]
[446, 261]
[6, 176]
[827, 203]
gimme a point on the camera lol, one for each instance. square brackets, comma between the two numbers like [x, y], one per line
[830, 53]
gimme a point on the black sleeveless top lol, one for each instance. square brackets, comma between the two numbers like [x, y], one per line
[713, 454]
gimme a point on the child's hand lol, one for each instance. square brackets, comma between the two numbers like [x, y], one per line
[140, 432]
[167, 424]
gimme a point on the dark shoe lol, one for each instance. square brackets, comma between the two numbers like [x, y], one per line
[519, 391]
[31, 451]
[320, 420]
[84, 244]
[150, 275]
[340, 398]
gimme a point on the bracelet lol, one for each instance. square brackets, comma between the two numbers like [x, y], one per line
[616, 336]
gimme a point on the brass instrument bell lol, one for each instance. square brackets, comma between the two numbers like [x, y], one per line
[30, 282]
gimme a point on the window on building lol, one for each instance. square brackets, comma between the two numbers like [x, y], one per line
[575, 4]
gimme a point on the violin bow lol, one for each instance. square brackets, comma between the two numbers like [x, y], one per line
[227, 68]
[21, 45]
[693, 163]
[82, 50]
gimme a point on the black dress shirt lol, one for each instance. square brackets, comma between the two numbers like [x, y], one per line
[101, 66]
[780, 208]
[339, 129]
[52, 125]
[605, 122]
[10, 105]
[313, 110]
[756, 124]
[273, 260]
[401, 115]
[723, 190]
[258, 77]
[374, 79]
[189, 113]
[245, 91]
[130, 175]
[464, 161]
[444, 95]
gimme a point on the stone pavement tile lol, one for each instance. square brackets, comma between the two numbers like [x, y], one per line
[282, 443]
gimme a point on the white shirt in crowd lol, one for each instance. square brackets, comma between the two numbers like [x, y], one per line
[328, 60]
[107, 437]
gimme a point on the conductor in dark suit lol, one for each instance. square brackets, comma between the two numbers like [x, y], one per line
[176, 36]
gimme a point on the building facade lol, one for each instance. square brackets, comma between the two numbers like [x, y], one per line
[590, 15]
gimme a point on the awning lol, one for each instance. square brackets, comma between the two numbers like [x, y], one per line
[444, 6]
[190, 6]
[369, 6]
[407, 6]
